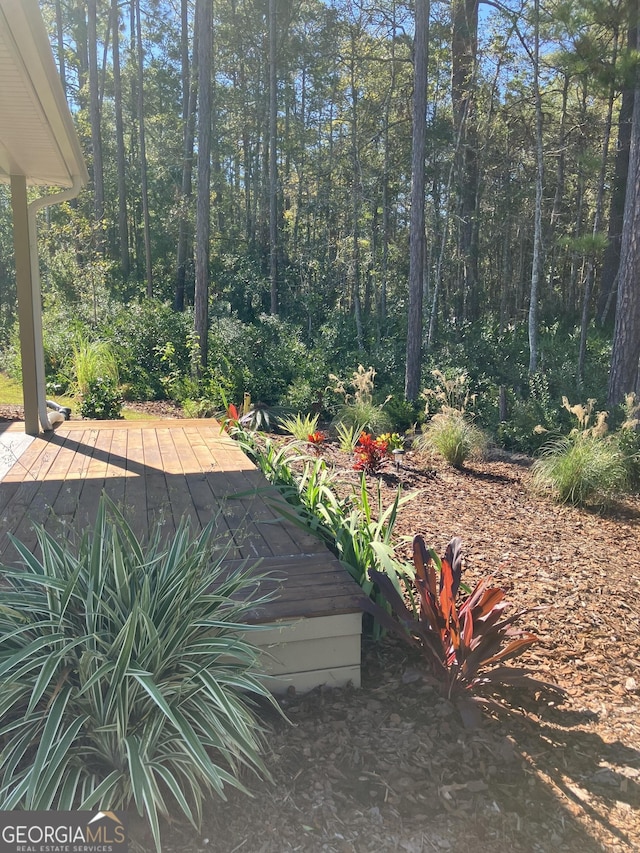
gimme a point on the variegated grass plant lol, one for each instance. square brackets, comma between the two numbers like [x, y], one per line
[348, 436]
[298, 426]
[125, 674]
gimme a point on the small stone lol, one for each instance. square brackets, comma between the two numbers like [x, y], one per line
[631, 685]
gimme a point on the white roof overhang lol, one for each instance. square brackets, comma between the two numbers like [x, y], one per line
[37, 136]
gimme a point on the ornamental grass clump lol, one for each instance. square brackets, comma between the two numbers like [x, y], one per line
[126, 678]
[453, 436]
[359, 409]
[464, 642]
[587, 466]
[451, 432]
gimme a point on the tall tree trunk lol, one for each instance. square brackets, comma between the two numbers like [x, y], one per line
[123, 230]
[558, 197]
[416, 227]
[94, 115]
[356, 193]
[189, 100]
[144, 183]
[463, 58]
[625, 357]
[611, 262]
[204, 27]
[62, 65]
[597, 219]
[273, 158]
[536, 263]
[386, 175]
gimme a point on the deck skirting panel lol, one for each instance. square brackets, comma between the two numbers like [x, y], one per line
[309, 652]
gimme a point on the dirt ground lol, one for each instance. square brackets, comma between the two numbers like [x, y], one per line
[390, 767]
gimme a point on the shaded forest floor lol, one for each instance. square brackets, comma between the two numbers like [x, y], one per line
[389, 767]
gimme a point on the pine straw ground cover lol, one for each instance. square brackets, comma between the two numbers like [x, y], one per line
[389, 767]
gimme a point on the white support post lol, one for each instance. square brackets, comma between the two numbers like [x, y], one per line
[26, 307]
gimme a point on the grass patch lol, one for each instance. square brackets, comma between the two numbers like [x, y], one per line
[10, 391]
[11, 395]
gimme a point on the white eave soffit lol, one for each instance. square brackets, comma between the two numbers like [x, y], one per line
[37, 136]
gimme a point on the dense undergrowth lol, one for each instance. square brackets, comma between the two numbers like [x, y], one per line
[477, 388]
[150, 352]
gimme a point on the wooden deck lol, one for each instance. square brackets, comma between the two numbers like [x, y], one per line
[162, 470]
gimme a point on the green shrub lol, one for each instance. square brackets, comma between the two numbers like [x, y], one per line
[528, 414]
[124, 679]
[263, 359]
[101, 400]
[453, 436]
[402, 414]
[140, 333]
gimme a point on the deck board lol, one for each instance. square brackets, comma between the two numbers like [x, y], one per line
[167, 470]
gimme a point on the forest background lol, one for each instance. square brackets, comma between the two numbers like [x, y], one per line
[284, 189]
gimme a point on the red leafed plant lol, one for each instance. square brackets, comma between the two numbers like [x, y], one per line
[231, 419]
[465, 641]
[371, 454]
[317, 439]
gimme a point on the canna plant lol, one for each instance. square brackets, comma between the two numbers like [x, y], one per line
[126, 675]
[465, 643]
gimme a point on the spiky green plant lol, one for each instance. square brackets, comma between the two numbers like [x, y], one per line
[299, 427]
[357, 528]
[125, 674]
[453, 436]
[348, 436]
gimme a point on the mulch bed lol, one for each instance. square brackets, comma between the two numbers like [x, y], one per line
[390, 767]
